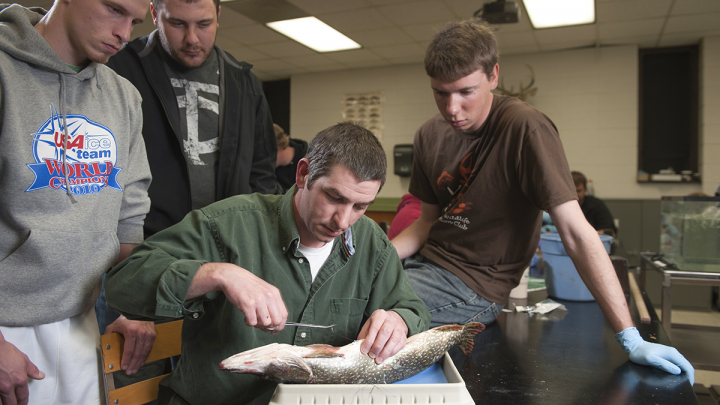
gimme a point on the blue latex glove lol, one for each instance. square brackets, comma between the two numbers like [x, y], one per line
[645, 353]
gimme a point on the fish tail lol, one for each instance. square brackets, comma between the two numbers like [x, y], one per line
[467, 336]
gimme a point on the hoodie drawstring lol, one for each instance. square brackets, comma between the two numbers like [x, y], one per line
[65, 140]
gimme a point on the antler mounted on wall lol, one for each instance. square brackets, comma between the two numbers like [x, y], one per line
[525, 91]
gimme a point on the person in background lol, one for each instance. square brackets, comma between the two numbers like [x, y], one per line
[74, 195]
[407, 212]
[594, 209]
[290, 151]
[484, 168]
[243, 266]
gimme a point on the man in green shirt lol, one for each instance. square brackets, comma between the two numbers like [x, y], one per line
[238, 269]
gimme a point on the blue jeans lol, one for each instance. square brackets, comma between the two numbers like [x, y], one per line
[104, 312]
[447, 297]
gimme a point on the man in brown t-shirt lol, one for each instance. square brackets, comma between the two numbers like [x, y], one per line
[484, 168]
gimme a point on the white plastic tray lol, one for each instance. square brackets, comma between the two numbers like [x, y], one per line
[453, 392]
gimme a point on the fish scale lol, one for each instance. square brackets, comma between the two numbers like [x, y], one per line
[324, 364]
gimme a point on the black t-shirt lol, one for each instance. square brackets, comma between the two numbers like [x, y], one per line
[197, 93]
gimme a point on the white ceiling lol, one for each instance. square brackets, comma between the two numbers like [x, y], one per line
[396, 32]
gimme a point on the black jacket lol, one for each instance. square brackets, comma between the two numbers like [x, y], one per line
[248, 150]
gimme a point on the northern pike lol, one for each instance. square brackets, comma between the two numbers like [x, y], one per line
[325, 364]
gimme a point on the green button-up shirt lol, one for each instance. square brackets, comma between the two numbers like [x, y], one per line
[258, 233]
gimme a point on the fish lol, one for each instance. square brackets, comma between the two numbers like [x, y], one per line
[326, 364]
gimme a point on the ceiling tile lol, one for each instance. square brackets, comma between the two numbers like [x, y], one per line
[327, 68]
[693, 23]
[416, 12]
[516, 39]
[632, 10]
[422, 32]
[245, 53]
[274, 66]
[381, 37]
[311, 61]
[400, 51]
[519, 50]
[404, 60]
[568, 45]
[231, 18]
[464, 9]
[695, 6]
[356, 20]
[319, 7]
[633, 29]
[353, 56]
[252, 34]
[642, 41]
[522, 25]
[384, 2]
[286, 49]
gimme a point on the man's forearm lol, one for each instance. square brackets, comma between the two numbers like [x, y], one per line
[413, 238]
[207, 279]
[410, 240]
[592, 262]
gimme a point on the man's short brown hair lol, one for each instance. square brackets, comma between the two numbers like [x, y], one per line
[461, 48]
[351, 146]
[579, 178]
[157, 3]
[282, 138]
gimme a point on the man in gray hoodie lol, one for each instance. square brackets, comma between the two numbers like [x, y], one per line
[73, 194]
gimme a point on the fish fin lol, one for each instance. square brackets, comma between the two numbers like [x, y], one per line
[467, 339]
[322, 351]
[448, 328]
[291, 368]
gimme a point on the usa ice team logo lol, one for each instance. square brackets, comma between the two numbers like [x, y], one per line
[90, 160]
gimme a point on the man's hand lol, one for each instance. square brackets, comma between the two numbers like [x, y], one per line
[139, 337]
[645, 353]
[260, 301]
[385, 334]
[15, 369]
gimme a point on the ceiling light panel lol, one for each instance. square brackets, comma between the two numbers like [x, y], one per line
[314, 34]
[560, 13]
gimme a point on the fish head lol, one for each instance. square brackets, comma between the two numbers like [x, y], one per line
[276, 362]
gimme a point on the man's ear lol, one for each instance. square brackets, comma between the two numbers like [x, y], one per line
[301, 174]
[153, 14]
[493, 78]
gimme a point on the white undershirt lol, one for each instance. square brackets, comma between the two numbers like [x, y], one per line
[316, 256]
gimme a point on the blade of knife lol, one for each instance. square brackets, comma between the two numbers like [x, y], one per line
[308, 325]
[305, 325]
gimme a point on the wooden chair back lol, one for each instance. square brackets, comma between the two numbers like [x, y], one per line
[167, 344]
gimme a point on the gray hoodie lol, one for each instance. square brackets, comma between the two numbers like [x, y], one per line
[54, 251]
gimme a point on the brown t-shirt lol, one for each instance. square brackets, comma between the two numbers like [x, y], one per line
[516, 166]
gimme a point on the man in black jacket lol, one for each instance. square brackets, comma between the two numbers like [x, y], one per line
[207, 125]
[206, 122]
